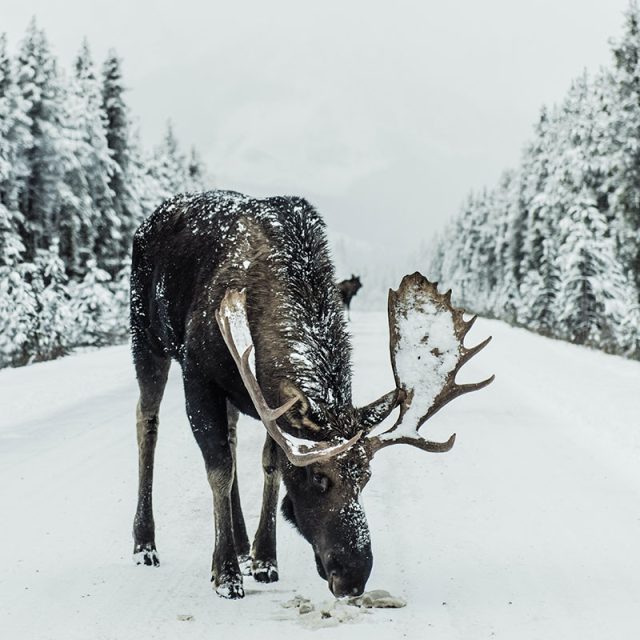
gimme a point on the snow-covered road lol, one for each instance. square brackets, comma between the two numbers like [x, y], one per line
[529, 528]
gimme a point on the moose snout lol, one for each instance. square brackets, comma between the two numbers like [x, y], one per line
[346, 575]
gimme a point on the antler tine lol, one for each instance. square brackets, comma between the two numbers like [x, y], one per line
[468, 323]
[419, 442]
[469, 353]
[299, 452]
[452, 392]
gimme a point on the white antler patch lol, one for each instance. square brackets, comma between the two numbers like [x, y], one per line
[426, 352]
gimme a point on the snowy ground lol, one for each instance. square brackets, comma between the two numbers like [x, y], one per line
[529, 528]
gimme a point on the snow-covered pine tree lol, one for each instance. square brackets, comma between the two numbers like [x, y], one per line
[53, 327]
[536, 202]
[508, 246]
[14, 136]
[103, 236]
[18, 313]
[76, 218]
[125, 179]
[594, 291]
[94, 308]
[39, 86]
[168, 167]
[482, 262]
[624, 151]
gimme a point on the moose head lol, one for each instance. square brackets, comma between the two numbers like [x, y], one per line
[324, 479]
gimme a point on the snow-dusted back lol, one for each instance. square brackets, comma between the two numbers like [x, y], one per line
[277, 249]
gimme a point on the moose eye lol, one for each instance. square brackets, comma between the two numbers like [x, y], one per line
[320, 481]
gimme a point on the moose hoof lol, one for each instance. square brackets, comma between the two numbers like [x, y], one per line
[245, 565]
[265, 571]
[230, 588]
[146, 554]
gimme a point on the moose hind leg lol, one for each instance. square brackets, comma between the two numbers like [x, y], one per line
[207, 411]
[265, 564]
[152, 374]
[240, 537]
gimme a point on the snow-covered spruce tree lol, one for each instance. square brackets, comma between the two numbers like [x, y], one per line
[39, 86]
[17, 303]
[102, 237]
[168, 167]
[94, 308]
[124, 178]
[53, 327]
[35, 309]
[624, 109]
[594, 296]
[508, 241]
[452, 266]
[483, 261]
[18, 313]
[14, 136]
[540, 290]
[76, 215]
[538, 201]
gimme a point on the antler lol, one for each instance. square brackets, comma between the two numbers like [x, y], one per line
[427, 351]
[234, 326]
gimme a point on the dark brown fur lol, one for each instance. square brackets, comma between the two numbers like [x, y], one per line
[348, 289]
[185, 256]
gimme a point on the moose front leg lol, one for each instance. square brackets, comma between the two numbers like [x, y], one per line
[151, 372]
[265, 565]
[240, 537]
[207, 411]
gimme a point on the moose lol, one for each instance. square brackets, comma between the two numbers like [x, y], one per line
[348, 289]
[240, 291]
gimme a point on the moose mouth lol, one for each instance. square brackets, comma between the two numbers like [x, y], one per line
[340, 585]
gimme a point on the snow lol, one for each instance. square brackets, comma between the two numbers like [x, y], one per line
[528, 528]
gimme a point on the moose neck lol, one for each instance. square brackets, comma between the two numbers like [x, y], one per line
[299, 327]
[304, 343]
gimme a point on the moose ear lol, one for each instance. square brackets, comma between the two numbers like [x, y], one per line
[376, 412]
[297, 416]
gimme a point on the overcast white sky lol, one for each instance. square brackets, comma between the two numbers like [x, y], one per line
[384, 114]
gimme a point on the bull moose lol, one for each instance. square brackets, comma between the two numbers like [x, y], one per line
[240, 291]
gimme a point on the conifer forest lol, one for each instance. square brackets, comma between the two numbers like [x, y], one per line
[555, 246]
[75, 183]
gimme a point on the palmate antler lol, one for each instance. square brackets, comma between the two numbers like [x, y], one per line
[234, 326]
[427, 351]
